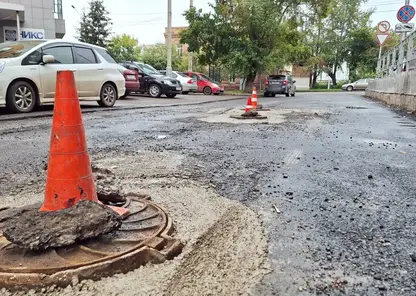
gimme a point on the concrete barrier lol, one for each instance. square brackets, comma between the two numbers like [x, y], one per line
[398, 91]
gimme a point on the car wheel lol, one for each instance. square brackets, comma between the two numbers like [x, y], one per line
[207, 90]
[108, 95]
[185, 92]
[171, 96]
[155, 91]
[266, 94]
[21, 97]
[349, 88]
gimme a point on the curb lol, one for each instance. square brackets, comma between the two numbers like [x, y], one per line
[43, 115]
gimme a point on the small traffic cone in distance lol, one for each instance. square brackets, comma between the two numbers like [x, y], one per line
[69, 176]
[249, 105]
[254, 98]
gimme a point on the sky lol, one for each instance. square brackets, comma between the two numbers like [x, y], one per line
[146, 20]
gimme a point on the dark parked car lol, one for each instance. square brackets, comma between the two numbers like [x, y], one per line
[153, 82]
[279, 84]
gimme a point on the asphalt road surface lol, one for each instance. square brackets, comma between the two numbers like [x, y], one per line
[133, 101]
[340, 169]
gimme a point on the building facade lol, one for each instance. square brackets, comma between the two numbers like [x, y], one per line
[31, 19]
[176, 39]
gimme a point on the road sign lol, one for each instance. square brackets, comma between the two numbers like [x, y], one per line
[406, 13]
[404, 28]
[383, 26]
[381, 38]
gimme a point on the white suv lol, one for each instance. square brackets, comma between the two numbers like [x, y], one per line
[28, 73]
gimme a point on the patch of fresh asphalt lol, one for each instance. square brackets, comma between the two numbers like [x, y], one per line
[343, 183]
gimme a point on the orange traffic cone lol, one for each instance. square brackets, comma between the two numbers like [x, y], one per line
[254, 98]
[249, 105]
[69, 177]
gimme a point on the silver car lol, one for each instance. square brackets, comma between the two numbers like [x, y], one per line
[188, 84]
[361, 84]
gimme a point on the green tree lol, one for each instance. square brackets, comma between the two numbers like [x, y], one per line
[330, 32]
[124, 48]
[363, 52]
[344, 18]
[95, 24]
[157, 57]
[248, 37]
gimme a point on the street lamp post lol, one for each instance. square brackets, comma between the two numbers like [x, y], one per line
[169, 53]
[191, 4]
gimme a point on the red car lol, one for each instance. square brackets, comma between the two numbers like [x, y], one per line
[132, 82]
[206, 85]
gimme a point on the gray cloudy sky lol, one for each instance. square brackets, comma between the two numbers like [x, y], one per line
[146, 20]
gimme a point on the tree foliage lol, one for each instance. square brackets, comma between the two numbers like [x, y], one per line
[363, 52]
[157, 57]
[330, 31]
[124, 48]
[95, 24]
[248, 36]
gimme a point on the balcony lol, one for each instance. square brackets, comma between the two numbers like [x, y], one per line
[8, 11]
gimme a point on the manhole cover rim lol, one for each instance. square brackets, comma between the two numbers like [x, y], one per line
[164, 229]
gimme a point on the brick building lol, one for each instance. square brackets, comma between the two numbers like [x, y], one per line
[176, 40]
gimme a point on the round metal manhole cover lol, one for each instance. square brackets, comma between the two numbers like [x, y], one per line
[143, 237]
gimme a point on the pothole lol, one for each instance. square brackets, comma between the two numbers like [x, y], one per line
[355, 107]
[143, 237]
[274, 116]
[204, 222]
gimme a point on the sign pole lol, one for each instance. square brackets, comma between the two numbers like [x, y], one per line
[383, 28]
[379, 58]
[404, 15]
[406, 2]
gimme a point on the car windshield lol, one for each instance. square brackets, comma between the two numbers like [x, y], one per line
[149, 70]
[150, 67]
[17, 48]
[207, 78]
[183, 74]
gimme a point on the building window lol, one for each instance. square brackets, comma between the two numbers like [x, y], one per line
[57, 9]
[180, 49]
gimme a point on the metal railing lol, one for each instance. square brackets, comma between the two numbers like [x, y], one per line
[398, 59]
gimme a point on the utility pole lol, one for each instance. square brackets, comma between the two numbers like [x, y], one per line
[169, 63]
[190, 57]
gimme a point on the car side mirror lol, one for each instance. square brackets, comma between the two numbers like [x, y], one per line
[48, 59]
[294, 81]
